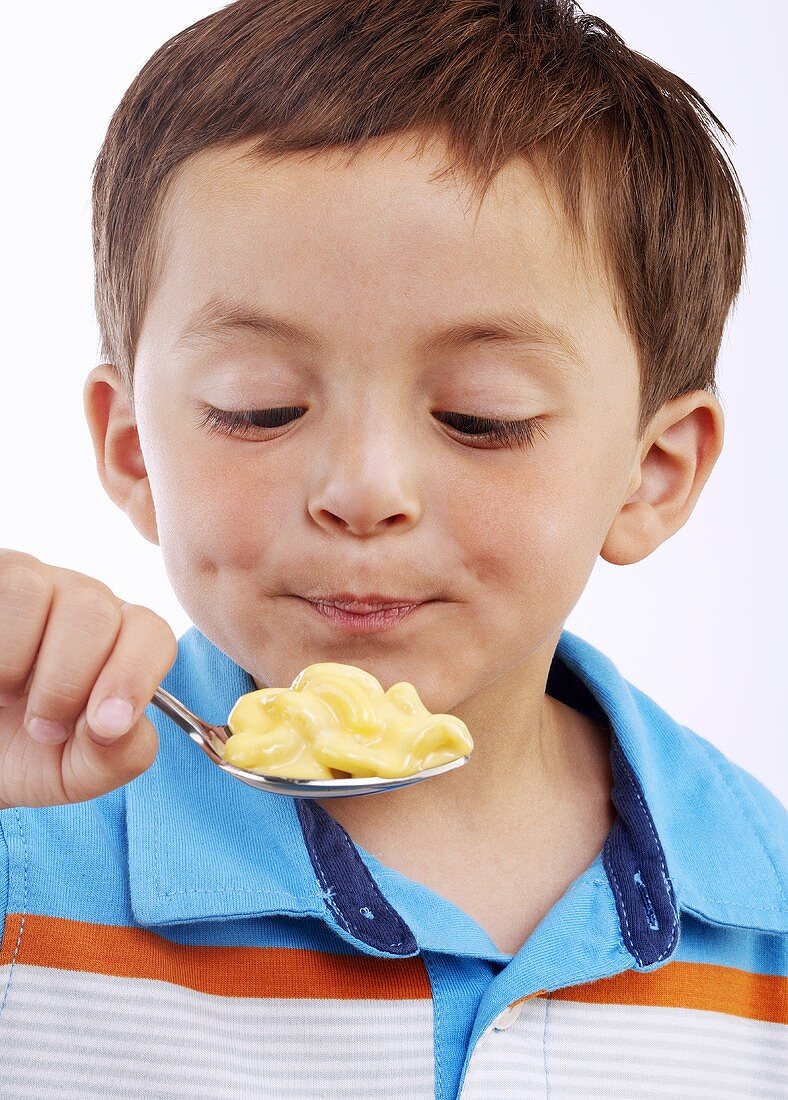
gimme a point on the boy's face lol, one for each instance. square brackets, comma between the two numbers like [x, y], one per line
[374, 489]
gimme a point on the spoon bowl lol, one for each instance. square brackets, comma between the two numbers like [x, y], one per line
[211, 738]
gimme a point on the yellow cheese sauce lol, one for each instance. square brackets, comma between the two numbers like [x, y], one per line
[336, 721]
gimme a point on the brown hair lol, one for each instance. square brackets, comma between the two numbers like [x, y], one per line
[633, 150]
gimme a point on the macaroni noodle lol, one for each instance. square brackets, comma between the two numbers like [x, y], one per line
[337, 718]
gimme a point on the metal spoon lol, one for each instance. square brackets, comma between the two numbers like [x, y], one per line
[210, 739]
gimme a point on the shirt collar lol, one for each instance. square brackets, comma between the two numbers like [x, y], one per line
[721, 831]
[202, 846]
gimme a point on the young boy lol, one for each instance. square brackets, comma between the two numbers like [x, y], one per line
[414, 305]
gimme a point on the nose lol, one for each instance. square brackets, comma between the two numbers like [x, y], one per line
[367, 482]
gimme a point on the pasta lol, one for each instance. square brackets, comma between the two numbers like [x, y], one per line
[334, 721]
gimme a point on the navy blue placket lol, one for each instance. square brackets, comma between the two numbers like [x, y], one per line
[634, 861]
[347, 885]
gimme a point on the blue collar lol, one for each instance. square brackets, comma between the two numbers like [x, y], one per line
[722, 833]
[693, 832]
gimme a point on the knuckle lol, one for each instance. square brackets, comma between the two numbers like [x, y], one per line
[63, 682]
[169, 645]
[9, 555]
[140, 658]
[92, 610]
[140, 611]
[126, 676]
[22, 575]
[12, 675]
[137, 680]
[158, 634]
[53, 700]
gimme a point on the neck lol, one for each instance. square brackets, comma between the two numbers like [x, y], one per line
[526, 762]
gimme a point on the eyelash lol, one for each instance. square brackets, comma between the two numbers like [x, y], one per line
[509, 433]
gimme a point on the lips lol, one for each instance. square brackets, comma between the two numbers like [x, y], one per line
[357, 622]
[359, 608]
[364, 605]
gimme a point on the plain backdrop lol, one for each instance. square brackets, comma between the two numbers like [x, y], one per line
[700, 625]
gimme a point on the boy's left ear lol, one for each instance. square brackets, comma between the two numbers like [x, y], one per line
[673, 463]
[116, 444]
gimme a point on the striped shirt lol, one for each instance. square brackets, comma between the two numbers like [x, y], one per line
[187, 936]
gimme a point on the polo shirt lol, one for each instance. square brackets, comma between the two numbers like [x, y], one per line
[189, 936]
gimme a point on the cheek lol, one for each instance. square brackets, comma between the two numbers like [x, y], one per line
[529, 538]
[217, 515]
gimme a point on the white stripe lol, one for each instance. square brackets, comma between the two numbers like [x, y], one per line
[104, 1029]
[630, 1088]
[20, 1087]
[139, 1080]
[164, 1002]
[64, 1033]
[671, 1019]
[623, 1052]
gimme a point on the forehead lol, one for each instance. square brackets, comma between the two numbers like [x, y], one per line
[374, 242]
[386, 198]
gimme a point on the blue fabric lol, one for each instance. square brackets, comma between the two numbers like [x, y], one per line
[699, 845]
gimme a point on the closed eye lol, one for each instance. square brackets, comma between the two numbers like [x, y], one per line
[508, 433]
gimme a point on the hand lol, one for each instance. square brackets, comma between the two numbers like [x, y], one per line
[68, 644]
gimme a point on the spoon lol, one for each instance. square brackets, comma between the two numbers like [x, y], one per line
[210, 738]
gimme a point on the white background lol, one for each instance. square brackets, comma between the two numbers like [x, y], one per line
[700, 626]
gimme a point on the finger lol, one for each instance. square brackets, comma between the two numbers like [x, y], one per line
[144, 652]
[26, 591]
[83, 624]
[90, 768]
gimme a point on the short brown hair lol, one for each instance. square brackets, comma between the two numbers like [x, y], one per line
[625, 141]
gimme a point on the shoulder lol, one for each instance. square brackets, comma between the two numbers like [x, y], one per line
[737, 795]
[766, 816]
[725, 832]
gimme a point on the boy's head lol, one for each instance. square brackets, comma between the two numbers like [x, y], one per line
[293, 206]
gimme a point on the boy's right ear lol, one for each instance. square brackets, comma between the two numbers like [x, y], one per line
[116, 443]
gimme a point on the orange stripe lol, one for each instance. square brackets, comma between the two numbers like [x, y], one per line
[224, 971]
[298, 972]
[691, 985]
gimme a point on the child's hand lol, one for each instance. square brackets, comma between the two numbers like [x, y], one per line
[67, 643]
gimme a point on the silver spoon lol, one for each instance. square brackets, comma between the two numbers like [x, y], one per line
[210, 739]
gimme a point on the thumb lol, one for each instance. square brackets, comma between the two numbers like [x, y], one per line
[99, 768]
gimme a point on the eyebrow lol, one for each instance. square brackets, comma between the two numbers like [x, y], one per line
[219, 318]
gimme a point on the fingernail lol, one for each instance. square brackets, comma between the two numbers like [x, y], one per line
[45, 732]
[114, 716]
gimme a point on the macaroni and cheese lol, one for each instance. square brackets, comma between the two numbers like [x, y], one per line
[335, 721]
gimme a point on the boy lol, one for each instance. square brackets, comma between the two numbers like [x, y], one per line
[485, 253]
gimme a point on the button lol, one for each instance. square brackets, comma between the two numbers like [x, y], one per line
[507, 1017]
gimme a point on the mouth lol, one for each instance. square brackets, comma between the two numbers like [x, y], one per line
[370, 601]
[365, 619]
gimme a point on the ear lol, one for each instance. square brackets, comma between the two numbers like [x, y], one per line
[674, 460]
[116, 443]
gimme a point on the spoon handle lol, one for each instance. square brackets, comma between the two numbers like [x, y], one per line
[206, 736]
[175, 709]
